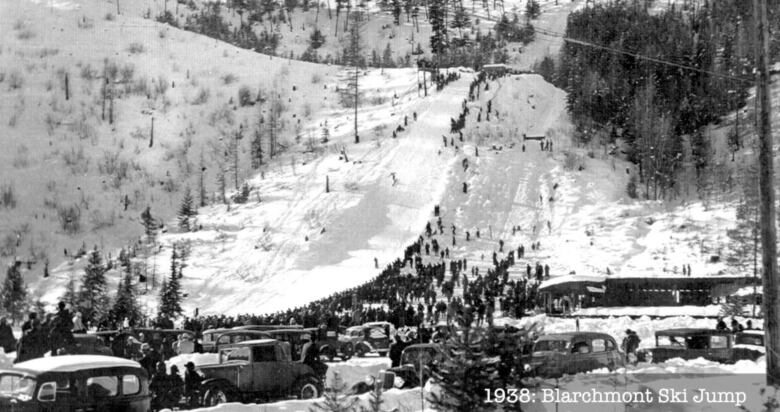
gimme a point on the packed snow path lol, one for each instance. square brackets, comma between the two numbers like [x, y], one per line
[300, 243]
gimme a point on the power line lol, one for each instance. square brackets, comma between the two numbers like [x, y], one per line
[551, 33]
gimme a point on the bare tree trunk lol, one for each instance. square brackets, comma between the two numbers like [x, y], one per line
[151, 134]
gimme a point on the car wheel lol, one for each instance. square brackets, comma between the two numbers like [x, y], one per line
[308, 388]
[360, 351]
[347, 351]
[329, 353]
[384, 353]
[216, 395]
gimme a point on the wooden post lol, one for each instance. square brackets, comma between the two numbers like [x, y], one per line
[67, 87]
[766, 191]
[151, 135]
[327, 184]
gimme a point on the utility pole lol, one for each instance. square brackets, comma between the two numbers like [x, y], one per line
[355, 50]
[767, 198]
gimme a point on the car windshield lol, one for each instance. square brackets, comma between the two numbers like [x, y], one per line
[552, 346]
[747, 339]
[355, 332]
[17, 386]
[239, 354]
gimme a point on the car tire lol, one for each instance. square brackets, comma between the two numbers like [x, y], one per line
[384, 353]
[346, 352]
[216, 394]
[360, 351]
[329, 353]
[308, 388]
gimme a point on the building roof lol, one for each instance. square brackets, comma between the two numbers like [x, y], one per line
[72, 363]
[692, 332]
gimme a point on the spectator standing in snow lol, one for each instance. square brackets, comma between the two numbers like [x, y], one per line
[7, 339]
[78, 324]
[630, 345]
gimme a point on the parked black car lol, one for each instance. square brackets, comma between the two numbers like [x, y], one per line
[75, 383]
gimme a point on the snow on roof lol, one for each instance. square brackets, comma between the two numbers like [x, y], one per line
[570, 278]
[71, 363]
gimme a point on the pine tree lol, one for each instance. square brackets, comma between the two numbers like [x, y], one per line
[335, 399]
[186, 210]
[257, 143]
[465, 372]
[126, 304]
[436, 14]
[93, 297]
[317, 39]
[150, 226]
[70, 297]
[170, 292]
[387, 57]
[397, 12]
[325, 136]
[461, 19]
[532, 9]
[14, 292]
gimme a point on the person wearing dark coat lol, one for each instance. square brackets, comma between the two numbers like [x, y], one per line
[630, 343]
[7, 339]
[150, 358]
[61, 329]
[396, 349]
[27, 325]
[32, 344]
[721, 325]
[159, 386]
[192, 380]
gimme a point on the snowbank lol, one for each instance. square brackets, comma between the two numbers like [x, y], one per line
[404, 400]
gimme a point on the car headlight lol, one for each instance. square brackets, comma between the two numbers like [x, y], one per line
[527, 368]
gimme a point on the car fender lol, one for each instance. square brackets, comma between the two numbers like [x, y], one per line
[216, 381]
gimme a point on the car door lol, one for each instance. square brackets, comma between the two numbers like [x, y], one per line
[720, 348]
[265, 370]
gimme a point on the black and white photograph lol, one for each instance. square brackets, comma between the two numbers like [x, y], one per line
[389, 205]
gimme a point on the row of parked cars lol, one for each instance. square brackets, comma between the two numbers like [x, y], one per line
[259, 369]
[558, 354]
[372, 337]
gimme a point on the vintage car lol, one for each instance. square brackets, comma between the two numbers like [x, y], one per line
[750, 339]
[75, 383]
[710, 344]
[209, 339]
[89, 344]
[333, 345]
[237, 336]
[369, 338]
[295, 337]
[416, 362]
[257, 369]
[558, 354]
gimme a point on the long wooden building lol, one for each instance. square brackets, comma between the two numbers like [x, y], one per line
[567, 293]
